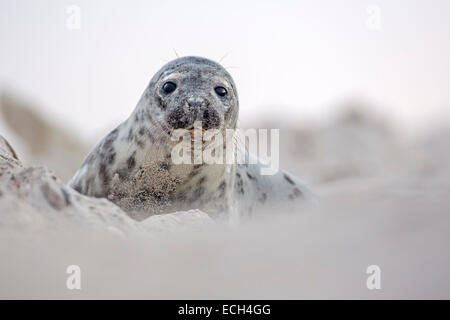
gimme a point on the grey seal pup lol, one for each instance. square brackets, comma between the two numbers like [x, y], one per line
[133, 167]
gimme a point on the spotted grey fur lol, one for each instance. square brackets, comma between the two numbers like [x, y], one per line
[132, 165]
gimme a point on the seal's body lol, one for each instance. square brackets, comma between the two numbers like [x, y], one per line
[133, 165]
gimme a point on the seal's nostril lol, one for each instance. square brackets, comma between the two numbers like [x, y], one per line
[196, 102]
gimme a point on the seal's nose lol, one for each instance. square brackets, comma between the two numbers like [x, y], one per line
[196, 102]
[184, 116]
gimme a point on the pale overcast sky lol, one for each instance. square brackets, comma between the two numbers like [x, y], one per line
[291, 59]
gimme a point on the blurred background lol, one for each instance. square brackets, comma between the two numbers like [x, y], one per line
[81, 66]
[360, 91]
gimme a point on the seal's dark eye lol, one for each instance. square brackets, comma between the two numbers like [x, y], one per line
[169, 87]
[221, 91]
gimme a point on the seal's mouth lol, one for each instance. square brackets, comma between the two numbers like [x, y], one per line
[196, 130]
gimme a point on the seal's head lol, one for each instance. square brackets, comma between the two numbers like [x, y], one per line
[190, 89]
